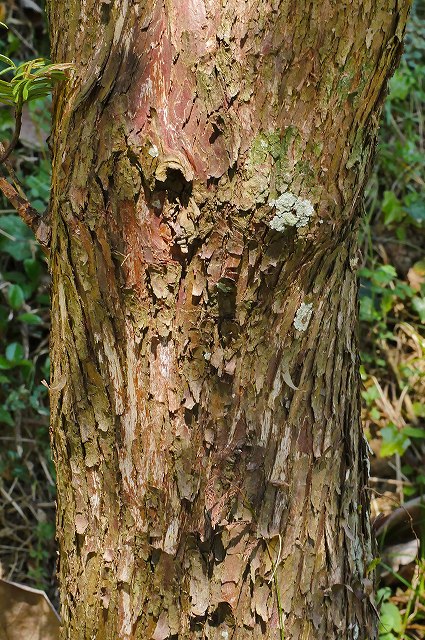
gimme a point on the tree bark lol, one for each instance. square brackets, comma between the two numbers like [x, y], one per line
[209, 160]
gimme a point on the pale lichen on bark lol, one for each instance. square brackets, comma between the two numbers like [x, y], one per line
[303, 316]
[291, 211]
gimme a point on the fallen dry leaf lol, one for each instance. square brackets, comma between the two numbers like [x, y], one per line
[26, 614]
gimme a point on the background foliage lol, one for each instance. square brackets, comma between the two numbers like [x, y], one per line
[392, 332]
[27, 491]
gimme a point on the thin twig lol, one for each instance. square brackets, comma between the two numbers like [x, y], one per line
[18, 124]
[16, 196]
[12, 175]
[29, 215]
[13, 503]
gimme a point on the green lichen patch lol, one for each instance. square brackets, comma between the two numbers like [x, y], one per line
[266, 144]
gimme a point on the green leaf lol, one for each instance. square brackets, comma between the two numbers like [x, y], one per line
[409, 491]
[6, 418]
[7, 60]
[30, 318]
[15, 297]
[384, 593]
[6, 95]
[14, 352]
[25, 90]
[32, 268]
[6, 70]
[370, 394]
[400, 84]
[31, 80]
[387, 302]
[5, 364]
[391, 207]
[419, 306]
[393, 441]
[367, 310]
[417, 211]
[15, 237]
[375, 414]
[419, 409]
[390, 618]
[384, 274]
[372, 565]
[38, 204]
[15, 277]
[17, 89]
[414, 432]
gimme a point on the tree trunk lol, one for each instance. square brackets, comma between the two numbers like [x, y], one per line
[209, 160]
